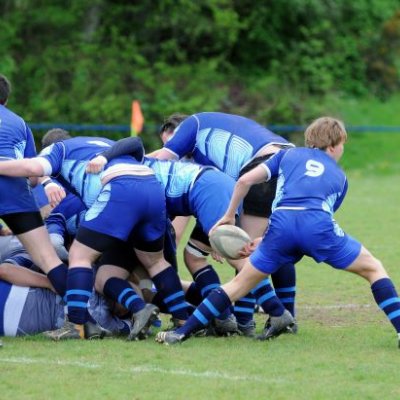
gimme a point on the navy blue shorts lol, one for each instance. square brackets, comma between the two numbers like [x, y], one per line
[292, 234]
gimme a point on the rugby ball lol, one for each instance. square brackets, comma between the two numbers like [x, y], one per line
[228, 240]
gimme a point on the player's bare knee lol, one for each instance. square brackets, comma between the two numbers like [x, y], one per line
[99, 284]
[194, 255]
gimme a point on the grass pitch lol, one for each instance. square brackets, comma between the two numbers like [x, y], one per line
[345, 347]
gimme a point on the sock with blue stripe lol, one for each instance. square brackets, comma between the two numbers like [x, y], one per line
[216, 302]
[387, 299]
[267, 299]
[169, 286]
[79, 291]
[244, 309]
[122, 292]
[193, 295]
[58, 278]
[284, 281]
[207, 280]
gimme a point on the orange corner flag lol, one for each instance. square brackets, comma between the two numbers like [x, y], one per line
[137, 119]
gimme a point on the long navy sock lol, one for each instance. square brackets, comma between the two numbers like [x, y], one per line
[207, 280]
[387, 299]
[267, 299]
[193, 295]
[58, 278]
[284, 280]
[244, 309]
[79, 291]
[169, 286]
[122, 292]
[158, 301]
[216, 302]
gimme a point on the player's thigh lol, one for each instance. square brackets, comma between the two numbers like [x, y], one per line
[37, 243]
[367, 266]
[153, 261]
[180, 224]
[254, 225]
[81, 255]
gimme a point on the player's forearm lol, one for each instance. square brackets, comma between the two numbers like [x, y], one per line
[21, 168]
[21, 276]
[239, 193]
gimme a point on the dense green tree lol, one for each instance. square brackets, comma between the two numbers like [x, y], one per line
[84, 61]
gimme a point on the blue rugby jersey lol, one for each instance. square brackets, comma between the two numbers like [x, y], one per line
[28, 311]
[16, 139]
[16, 142]
[12, 301]
[225, 141]
[307, 179]
[177, 178]
[67, 161]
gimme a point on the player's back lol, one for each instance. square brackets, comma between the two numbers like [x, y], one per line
[226, 141]
[177, 178]
[16, 140]
[308, 179]
[67, 161]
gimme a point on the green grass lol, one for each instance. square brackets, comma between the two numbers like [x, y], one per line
[345, 348]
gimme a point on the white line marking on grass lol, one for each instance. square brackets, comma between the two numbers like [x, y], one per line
[334, 306]
[144, 370]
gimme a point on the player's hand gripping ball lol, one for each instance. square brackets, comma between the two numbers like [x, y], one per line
[229, 240]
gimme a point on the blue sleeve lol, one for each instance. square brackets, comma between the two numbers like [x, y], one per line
[183, 140]
[30, 149]
[54, 154]
[340, 199]
[274, 162]
[132, 146]
[40, 196]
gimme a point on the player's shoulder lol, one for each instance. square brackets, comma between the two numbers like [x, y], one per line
[11, 118]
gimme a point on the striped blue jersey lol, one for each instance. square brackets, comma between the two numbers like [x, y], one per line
[177, 178]
[225, 141]
[307, 179]
[67, 161]
[16, 139]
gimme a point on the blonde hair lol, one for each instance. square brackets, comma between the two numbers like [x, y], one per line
[325, 132]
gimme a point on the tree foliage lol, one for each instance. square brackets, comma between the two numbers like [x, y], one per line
[84, 61]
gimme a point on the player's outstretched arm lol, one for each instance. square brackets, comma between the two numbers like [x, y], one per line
[22, 276]
[21, 168]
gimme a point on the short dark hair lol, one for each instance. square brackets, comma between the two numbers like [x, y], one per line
[54, 135]
[5, 89]
[172, 122]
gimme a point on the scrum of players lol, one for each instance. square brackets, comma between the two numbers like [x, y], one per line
[88, 248]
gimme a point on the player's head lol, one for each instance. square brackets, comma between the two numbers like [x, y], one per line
[54, 135]
[325, 132]
[169, 125]
[5, 89]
